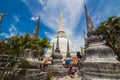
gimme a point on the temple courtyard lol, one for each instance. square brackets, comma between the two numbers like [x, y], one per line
[60, 61]
[96, 62]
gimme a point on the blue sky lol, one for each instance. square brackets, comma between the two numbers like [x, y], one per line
[21, 16]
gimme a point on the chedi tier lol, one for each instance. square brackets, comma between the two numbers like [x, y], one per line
[96, 51]
[100, 62]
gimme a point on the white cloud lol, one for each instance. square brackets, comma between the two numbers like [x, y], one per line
[16, 18]
[24, 0]
[50, 12]
[118, 15]
[4, 34]
[78, 41]
[41, 1]
[12, 32]
[49, 35]
[34, 18]
[102, 11]
[12, 29]
[71, 13]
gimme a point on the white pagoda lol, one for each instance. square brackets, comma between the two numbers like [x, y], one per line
[63, 42]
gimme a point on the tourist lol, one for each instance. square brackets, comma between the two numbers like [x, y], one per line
[72, 72]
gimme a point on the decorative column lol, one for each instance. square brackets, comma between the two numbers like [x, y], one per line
[57, 45]
[68, 50]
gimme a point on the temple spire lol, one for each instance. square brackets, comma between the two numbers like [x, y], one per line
[57, 45]
[61, 27]
[61, 32]
[36, 31]
[68, 49]
[90, 27]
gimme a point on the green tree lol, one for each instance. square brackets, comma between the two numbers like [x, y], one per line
[13, 63]
[1, 16]
[14, 46]
[110, 31]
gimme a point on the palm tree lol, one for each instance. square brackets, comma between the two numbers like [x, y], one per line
[14, 46]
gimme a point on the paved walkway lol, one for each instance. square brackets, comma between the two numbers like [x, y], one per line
[75, 77]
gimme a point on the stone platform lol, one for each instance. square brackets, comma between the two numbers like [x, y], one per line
[58, 70]
[57, 61]
[93, 71]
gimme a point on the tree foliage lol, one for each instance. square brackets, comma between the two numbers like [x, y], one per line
[16, 44]
[14, 47]
[110, 31]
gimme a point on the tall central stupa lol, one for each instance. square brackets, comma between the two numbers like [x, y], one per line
[63, 41]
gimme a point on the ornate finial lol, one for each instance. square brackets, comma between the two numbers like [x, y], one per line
[68, 49]
[90, 27]
[57, 45]
[36, 31]
[1, 15]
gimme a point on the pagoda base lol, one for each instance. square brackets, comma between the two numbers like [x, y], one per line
[57, 61]
[58, 70]
[100, 71]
